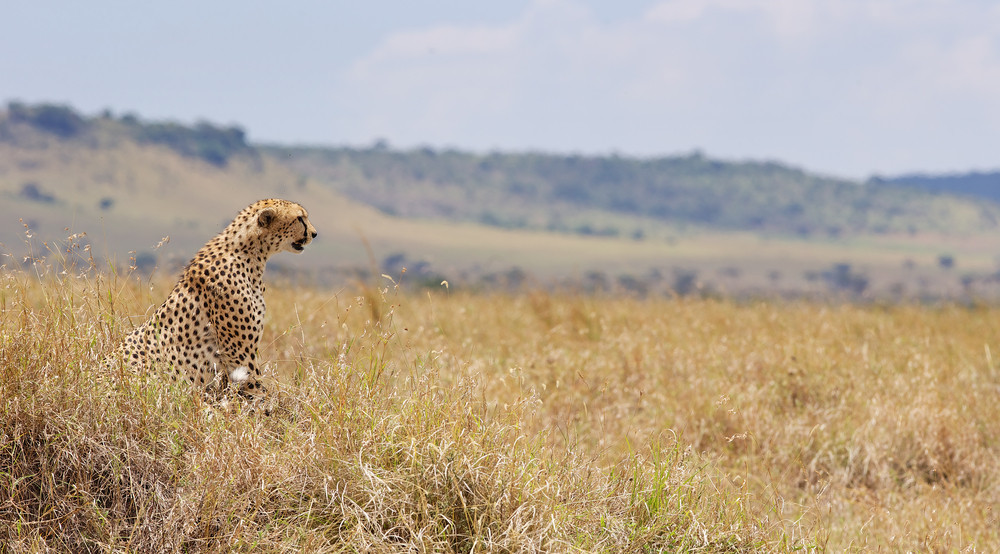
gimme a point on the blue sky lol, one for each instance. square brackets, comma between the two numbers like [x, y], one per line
[843, 87]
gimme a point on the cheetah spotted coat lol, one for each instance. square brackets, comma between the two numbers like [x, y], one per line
[209, 328]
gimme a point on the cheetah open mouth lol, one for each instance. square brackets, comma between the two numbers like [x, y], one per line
[299, 245]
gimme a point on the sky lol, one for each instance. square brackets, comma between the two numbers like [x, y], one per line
[849, 88]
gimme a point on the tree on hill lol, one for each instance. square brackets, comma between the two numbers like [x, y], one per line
[977, 184]
[205, 141]
[52, 118]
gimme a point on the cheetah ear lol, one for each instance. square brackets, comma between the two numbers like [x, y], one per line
[265, 217]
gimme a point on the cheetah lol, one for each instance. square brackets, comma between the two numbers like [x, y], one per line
[208, 330]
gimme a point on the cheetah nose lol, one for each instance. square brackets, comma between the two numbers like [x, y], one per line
[314, 234]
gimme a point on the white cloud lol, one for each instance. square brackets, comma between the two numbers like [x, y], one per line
[846, 86]
[785, 17]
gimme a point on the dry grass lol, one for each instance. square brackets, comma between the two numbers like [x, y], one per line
[375, 446]
[477, 423]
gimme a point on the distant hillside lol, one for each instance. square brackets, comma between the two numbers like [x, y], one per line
[688, 224]
[981, 185]
[128, 183]
[619, 196]
[611, 196]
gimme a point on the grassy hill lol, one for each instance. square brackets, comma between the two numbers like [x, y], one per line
[487, 220]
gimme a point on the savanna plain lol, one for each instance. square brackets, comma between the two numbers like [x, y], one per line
[437, 420]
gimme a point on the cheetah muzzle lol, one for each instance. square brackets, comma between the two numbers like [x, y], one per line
[307, 236]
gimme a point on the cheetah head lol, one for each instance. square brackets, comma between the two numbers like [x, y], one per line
[286, 226]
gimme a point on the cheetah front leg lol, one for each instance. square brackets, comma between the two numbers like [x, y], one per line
[237, 335]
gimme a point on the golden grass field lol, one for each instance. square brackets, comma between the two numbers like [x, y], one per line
[442, 421]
